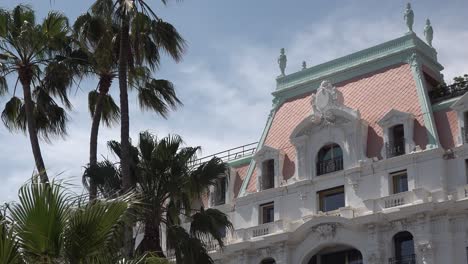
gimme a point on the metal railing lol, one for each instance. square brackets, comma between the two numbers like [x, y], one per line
[442, 93]
[230, 154]
[395, 148]
[330, 165]
[409, 259]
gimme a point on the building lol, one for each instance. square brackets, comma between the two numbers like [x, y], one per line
[362, 160]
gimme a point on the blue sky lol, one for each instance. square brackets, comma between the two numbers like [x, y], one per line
[229, 70]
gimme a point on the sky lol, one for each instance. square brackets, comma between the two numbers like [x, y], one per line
[227, 75]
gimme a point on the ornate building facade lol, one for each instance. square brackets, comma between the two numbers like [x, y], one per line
[363, 159]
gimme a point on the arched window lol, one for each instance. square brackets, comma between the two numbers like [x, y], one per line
[268, 261]
[403, 248]
[329, 159]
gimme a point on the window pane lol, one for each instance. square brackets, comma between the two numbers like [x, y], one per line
[268, 213]
[332, 199]
[400, 182]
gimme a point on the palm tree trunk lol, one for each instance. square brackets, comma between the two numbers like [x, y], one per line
[93, 144]
[124, 116]
[152, 240]
[25, 75]
[105, 81]
[125, 126]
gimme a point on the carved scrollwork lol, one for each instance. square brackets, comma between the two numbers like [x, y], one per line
[326, 231]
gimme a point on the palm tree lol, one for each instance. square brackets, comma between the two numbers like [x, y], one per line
[149, 34]
[95, 35]
[50, 225]
[171, 191]
[31, 51]
[98, 35]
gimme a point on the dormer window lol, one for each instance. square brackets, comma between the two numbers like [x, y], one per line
[396, 143]
[269, 168]
[398, 132]
[268, 173]
[461, 107]
[329, 159]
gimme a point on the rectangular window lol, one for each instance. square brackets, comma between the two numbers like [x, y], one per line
[331, 199]
[220, 192]
[267, 213]
[400, 181]
[268, 174]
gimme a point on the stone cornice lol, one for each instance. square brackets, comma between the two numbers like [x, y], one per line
[390, 53]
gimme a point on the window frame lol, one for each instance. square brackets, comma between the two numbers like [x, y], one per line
[328, 192]
[262, 208]
[321, 154]
[397, 175]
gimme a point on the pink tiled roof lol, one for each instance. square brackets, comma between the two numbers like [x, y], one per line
[447, 127]
[241, 172]
[373, 95]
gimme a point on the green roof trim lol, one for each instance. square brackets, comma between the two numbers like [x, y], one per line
[384, 55]
[239, 162]
[444, 104]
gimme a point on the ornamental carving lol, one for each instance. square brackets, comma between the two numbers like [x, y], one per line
[425, 251]
[324, 101]
[326, 231]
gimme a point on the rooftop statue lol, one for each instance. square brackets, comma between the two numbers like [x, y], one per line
[304, 65]
[409, 17]
[428, 32]
[282, 62]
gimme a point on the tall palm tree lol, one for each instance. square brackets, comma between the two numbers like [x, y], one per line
[169, 187]
[31, 51]
[50, 225]
[98, 34]
[95, 35]
[155, 32]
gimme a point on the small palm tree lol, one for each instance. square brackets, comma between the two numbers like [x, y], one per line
[34, 52]
[169, 187]
[49, 225]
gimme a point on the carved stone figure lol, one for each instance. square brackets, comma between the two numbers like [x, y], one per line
[409, 17]
[304, 65]
[429, 32]
[282, 60]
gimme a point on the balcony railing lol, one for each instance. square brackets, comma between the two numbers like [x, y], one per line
[230, 154]
[450, 91]
[395, 148]
[328, 166]
[258, 231]
[410, 259]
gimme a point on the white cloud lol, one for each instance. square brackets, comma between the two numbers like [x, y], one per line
[225, 104]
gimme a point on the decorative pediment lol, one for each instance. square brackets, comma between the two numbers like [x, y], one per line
[327, 110]
[394, 117]
[266, 152]
[461, 104]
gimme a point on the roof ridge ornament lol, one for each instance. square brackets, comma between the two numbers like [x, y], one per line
[282, 61]
[409, 18]
[429, 32]
[326, 99]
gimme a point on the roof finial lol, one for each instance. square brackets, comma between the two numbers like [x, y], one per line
[409, 18]
[429, 32]
[304, 65]
[282, 60]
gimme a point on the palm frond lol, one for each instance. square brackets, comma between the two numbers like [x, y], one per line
[11, 114]
[40, 218]
[210, 223]
[158, 96]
